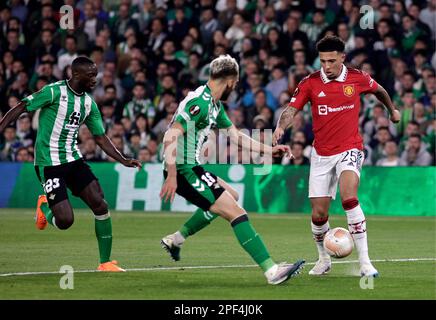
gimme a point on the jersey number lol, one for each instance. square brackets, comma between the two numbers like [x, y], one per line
[207, 177]
[51, 184]
[354, 158]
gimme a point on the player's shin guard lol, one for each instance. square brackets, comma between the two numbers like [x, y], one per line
[199, 220]
[251, 241]
[357, 227]
[103, 231]
[319, 228]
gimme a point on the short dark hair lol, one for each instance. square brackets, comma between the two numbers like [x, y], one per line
[330, 43]
[297, 143]
[140, 83]
[415, 135]
[69, 36]
[414, 122]
[80, 62]
[383, 128]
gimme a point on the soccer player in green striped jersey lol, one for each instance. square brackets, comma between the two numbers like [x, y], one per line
[59, 165]
[197, 115]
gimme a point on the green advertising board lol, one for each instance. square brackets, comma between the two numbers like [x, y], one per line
[403, 191]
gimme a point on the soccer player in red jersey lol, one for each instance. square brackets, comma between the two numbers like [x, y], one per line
[337, 154]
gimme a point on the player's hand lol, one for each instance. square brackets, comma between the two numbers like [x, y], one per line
[395, 116]
[132, 163]
[277, 135]
[169, 188]
[281, 150]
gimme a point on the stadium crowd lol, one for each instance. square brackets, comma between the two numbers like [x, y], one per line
[149, 54]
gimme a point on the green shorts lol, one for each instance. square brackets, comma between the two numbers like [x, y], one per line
[198, 186]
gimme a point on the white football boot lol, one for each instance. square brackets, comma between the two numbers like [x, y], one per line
[322, 266]
[169, 245]
[279, 273]
[368, 270]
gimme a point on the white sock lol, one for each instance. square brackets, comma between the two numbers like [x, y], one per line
[271, 271]
[318, 235]
[357, 228]
[54, 222]
[178, 239]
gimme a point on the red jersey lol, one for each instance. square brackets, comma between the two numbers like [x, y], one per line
[335, 108]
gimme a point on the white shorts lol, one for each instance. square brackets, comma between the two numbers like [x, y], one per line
[326, 170]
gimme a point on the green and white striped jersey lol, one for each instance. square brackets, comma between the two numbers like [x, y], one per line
[197, 114]
[62, 113]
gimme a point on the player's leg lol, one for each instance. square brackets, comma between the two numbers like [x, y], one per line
[251, 241]
[201, 217]
[348, 187]
[320, 226]
[85, 185]
[322, 188]
[53, 207]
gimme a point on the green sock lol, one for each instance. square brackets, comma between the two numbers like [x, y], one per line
[196, 222]
[251, 241]
[47, 212]
[103, 231]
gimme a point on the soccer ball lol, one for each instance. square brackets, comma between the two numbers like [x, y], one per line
[338, 243]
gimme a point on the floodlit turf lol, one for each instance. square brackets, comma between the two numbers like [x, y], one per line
[23, 248]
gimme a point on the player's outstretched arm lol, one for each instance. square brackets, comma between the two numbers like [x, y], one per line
[107, 146]
[285, 121]
[384, 98]
[12, 115]
[169, 187]
[250, 144]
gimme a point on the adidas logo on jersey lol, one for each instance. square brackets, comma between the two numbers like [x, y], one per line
[321, 94]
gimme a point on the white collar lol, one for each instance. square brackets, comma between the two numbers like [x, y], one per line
[341, 78]
[76, 93]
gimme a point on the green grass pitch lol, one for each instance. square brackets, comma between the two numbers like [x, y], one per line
[152, 275]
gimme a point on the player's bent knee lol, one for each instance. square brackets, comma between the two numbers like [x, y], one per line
[64, 222]
[319, 211]
[100, 207]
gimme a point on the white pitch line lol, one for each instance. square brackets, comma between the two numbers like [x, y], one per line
[208, 267]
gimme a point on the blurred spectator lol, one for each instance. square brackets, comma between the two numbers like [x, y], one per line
[179, 26]
[255, 84]
[24, 132]
[139, 104]
[144, 155]
[415, 153]
[237, 118]
[91, 24]
[378, 143]
[314, 28]
[278, 83]
[108, 113]
[163, 125]
[135, 143]
[141, 126]
[121, 22]
[428, 16]
[390, 158]
[9, 145]
[90, 151]
[69, 53]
